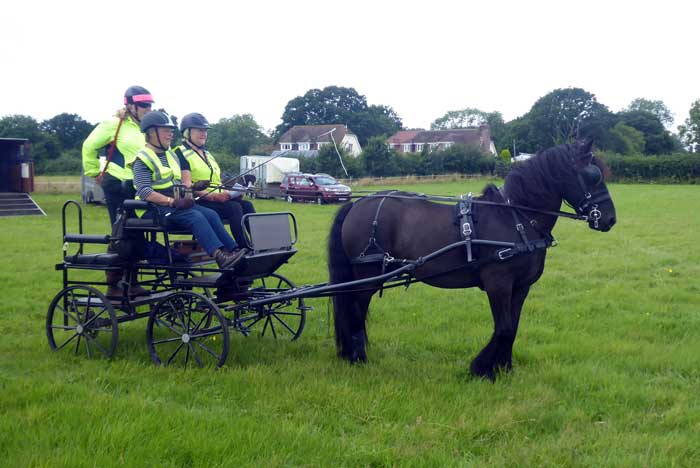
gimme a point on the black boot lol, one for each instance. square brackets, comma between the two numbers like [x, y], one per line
[134, 289]
[227, 260]
[113, 277]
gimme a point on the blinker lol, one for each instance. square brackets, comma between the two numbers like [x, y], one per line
[591, 175]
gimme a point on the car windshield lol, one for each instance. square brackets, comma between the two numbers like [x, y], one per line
[325, 180]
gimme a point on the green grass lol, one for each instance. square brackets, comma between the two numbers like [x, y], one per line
[606, 364]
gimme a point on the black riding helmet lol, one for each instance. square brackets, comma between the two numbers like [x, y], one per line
[156, 119]
[194, 120]
[136, 94]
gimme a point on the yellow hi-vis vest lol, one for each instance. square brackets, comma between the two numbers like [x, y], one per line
[200, 168]
[162, 177]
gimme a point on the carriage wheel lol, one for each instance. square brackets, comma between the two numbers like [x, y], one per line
[279, 320]
[187, 329]
[82, 320]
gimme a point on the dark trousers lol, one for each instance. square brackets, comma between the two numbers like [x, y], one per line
[116, 191]
[233, 210]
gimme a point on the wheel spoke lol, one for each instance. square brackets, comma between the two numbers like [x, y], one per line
[172, 356]
[167, 325]
[66, 342]
[87, 347]
[194, 353]
[92, 319]
[284, 324]
[208, 350]
[67, 314]
[169, 340]
[96, 343]
[77, 345]
[208, 332]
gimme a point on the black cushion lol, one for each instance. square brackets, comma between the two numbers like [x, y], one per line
[95, 259]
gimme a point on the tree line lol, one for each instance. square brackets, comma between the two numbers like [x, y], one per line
[641, 129]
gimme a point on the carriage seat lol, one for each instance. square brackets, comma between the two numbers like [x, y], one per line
[151, 220]
[97, 259]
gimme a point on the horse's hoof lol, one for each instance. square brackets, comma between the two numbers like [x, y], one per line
[482, 373]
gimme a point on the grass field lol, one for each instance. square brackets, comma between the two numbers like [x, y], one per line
[606, 364]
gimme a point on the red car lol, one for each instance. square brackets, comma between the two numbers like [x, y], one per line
[318, 188]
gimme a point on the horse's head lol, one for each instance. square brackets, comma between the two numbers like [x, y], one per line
[583, 187]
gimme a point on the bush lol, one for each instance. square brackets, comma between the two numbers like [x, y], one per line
[68, 163]
[672, 168]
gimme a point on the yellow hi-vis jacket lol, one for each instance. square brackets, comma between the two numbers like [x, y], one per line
[201, 169]
[129, 141]
[162, 177]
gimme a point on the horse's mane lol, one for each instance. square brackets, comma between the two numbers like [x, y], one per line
[532, 180]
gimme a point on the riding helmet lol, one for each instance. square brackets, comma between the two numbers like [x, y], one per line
[194, 120]
[156, 119]
[135, 94]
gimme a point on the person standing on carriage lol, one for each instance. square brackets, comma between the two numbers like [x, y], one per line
[157, 171]
[120, 138]
[200, 169]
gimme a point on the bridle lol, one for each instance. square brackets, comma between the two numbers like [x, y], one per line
[590, 176]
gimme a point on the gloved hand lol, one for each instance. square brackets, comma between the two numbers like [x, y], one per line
[201, 185]
[183, 203]
[221, 197]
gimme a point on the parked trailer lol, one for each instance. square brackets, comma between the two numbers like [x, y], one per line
[269, 172]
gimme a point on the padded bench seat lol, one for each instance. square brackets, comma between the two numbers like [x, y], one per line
[103, 259]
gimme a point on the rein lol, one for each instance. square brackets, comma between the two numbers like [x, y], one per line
[558, 213]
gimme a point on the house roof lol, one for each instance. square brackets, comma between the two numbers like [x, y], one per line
[314, 133]
[466, 136]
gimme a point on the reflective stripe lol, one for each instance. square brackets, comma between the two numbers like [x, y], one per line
[162, 176]
[199, 168]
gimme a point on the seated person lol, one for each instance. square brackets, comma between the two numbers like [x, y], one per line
[199, 169]
[156, 171]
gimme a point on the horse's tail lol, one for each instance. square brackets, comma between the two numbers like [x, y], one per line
[340, 271]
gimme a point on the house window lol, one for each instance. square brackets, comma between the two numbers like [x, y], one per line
[447, 145]
[419, 147]
[349, 146]
[433, 146]
[304, 146]
[285, 146]
[406, 147]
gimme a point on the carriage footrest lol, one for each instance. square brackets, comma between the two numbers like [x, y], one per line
[107, 259]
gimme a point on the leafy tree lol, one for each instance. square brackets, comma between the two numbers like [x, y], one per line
[70, 129]
[473, 117]
[657, 139]
[624, 139]
[564, 115]
[504, 155]
[690, 131]
[658, 108]
[379, 160]
[327, 161]
[236, 135]
[43, 146]
[335, 104]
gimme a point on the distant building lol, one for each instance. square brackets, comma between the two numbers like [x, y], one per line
[415, 141]
[308, 139]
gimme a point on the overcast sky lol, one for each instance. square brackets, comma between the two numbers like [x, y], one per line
[423, 59]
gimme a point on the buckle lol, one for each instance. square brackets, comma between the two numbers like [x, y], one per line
[505, 254]
[519, 227]
[466, 229]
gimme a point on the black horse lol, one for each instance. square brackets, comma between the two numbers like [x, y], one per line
[410, 227]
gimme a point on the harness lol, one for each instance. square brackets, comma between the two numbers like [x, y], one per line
[465, 221]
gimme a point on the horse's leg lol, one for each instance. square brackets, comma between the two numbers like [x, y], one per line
[495, 353]
[516, 306]
[350, 325]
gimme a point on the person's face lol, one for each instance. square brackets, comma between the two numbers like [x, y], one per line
[198, 136]
[164, 134]
[141, 109]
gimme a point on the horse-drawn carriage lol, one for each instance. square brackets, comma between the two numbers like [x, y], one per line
[496, 242]
[191, 306]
